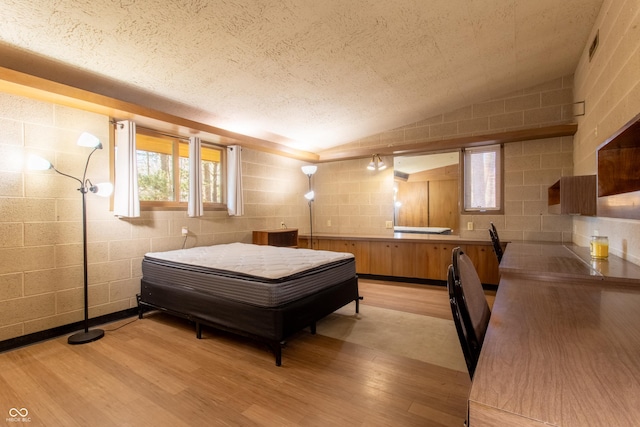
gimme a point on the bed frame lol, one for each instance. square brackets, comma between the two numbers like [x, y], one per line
[268, 325]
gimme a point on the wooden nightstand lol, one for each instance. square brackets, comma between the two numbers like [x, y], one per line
[280, 237]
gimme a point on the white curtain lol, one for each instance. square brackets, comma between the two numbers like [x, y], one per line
[126, 202]
[235, 201]
[194, 207]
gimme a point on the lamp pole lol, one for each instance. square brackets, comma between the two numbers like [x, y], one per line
[310, 196]
[310, 217]
[38, 163]
[94, 334]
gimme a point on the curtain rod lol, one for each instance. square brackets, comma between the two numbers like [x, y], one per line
[181, 138]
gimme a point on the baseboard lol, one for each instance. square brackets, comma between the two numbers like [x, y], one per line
[48, 334]
[404, 279]
[433, 282]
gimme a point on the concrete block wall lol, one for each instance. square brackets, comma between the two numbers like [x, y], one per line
[530, 167]
[41, 280]
[609, 84]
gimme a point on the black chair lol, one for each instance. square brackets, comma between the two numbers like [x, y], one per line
[456, 310]
[495, 240]
[469, 307]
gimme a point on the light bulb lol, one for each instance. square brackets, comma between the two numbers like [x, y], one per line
[88, 140]
[104, 189]
[309, 169]
[37, 163]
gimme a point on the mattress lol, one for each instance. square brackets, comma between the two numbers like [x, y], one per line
[264, 276]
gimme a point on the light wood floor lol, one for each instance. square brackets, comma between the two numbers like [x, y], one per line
[154, 372]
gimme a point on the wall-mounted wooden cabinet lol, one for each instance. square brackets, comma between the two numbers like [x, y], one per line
[573, 195]
[618, 173]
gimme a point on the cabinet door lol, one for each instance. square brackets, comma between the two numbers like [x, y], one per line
[426, 260]
[326, 245]
[485, 262]
[380, 258]
[402, 259]
[446, 250]
[361, 251]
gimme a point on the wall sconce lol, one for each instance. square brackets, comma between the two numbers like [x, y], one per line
[309, 170]
[104, 190]
[376, 163]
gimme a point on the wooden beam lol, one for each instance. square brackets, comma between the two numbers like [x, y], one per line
[22, 84]
[426, 147]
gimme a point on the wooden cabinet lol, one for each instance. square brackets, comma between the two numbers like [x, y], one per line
[573, 195]
[443, 204]
[392, 259]
[280, 237]
[485, 262]
[618, 178]
[410, 259]
[359, 249]
[427, 260]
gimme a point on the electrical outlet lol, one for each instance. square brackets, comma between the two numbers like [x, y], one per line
[185, 230]
[282, 225]
[389, 224]
[328, 223]
[469, 225]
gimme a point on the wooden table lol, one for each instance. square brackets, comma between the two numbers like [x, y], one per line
[562, 349]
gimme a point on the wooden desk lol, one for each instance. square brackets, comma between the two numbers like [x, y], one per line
[561, 351]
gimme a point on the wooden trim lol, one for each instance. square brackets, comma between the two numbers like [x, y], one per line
[453, 143]
[35, 337]
[17, 83]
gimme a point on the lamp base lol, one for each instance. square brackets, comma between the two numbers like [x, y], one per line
[85, 337]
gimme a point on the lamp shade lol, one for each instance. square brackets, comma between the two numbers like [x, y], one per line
[309, 169]
[310, 195]
[103, 189]
[37, 163]
[88, 140]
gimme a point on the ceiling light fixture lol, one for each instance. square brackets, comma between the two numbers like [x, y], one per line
[376, 163]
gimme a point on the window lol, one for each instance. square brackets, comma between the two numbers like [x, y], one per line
[163, 170]
[483, 179]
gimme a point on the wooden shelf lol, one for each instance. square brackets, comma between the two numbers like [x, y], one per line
[287, 237]
[573, 195]
[618, 178]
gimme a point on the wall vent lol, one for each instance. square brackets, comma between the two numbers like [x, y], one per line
[594, 45]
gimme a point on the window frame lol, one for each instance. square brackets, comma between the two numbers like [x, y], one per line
[177, 204]
[499, 150]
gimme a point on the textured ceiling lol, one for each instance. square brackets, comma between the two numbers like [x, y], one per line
[308, 74]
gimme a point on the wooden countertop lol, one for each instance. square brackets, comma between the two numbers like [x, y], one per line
[558, 353]
[562, 349]
[408, 237]
[554, 260]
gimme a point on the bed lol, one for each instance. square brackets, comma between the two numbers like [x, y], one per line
[266, 293]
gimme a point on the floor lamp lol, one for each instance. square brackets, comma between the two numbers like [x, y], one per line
[310, 196]
[39, 163]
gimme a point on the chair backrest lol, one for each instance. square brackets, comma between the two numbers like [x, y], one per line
[495, 240]
[456, 309]
[474, 309]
